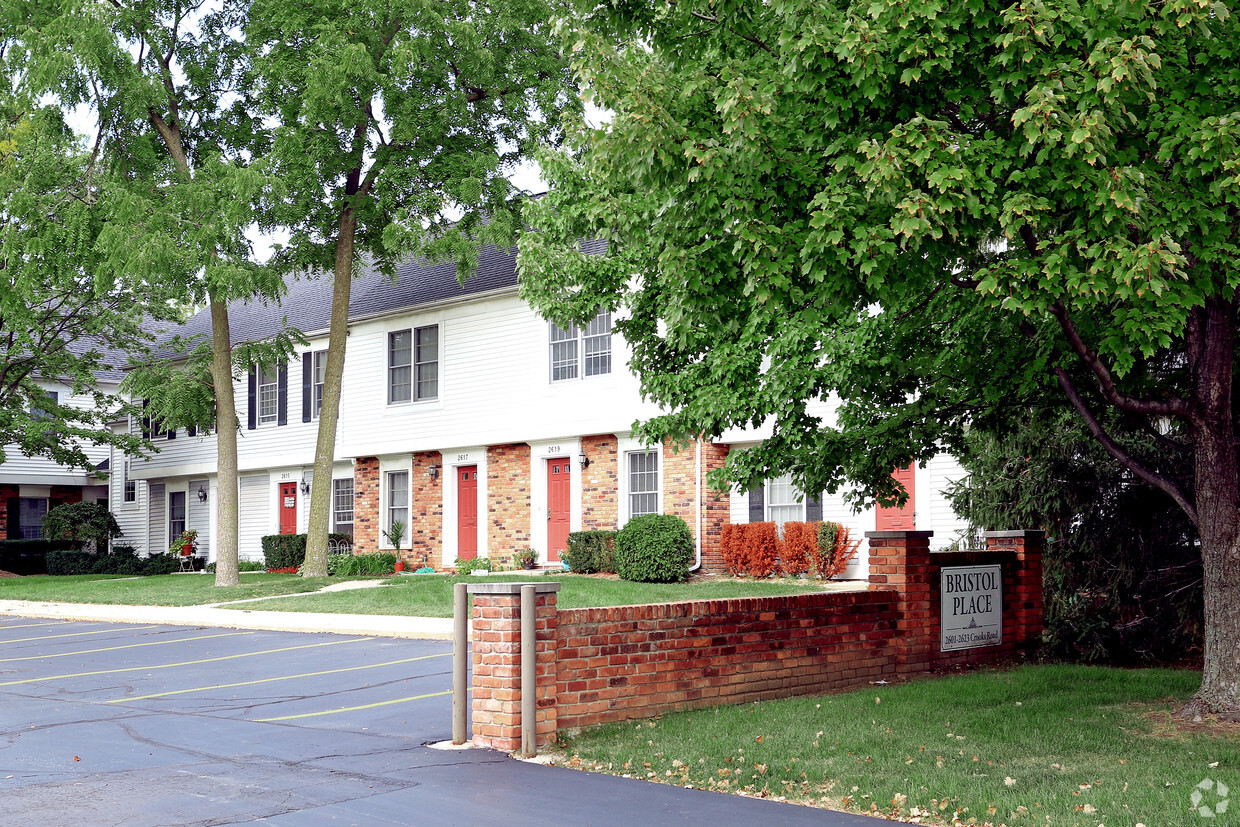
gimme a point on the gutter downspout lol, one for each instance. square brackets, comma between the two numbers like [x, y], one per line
[697, 563]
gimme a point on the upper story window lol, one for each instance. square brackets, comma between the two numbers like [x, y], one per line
[578, 351]
[643, 473]
[413, 364]
[319, 377]
[130, 494]
[268, 395]
[42, 410]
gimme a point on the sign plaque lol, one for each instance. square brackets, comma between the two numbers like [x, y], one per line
[972, 607]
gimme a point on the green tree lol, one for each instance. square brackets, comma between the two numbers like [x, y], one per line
[162, 81]
[81, 522]
[931, 212]
[65, 316]
[396, 126]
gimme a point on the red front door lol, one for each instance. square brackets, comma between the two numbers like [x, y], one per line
[559, 483]
[288, 508]
[466, 512]
[899, 519]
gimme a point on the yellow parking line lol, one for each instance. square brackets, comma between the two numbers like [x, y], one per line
[182, 663]
[28, 625]
[354, 708]
[81, 634]
[126, 646]
[273, 680]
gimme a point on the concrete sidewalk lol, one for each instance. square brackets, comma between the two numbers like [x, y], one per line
[423, 628]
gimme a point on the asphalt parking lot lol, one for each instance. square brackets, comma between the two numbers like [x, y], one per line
[105, 723]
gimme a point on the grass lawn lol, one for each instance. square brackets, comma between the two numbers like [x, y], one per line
[157, 590]
[431, 595]
[420, 596]
[1038, 745]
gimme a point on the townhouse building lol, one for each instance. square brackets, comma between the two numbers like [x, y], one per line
[465, 415]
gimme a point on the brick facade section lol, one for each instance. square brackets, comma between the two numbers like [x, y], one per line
[600, 483]
[680, 496]
[626, 662]
[508, 498]
[7, 492]
[61, 494]
[366, 514]
[424, 544]
[496, 703]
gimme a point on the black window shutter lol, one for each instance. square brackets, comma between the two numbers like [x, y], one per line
[282, 395]
[190, 430]
[146, 420]
[172, 433]
[253, 402]
[307, 385]
[15, 518]
[813, 508]
[757, 504]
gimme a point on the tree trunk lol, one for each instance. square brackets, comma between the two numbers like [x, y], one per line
[226, 504]
[1218, 511]
[329, 415]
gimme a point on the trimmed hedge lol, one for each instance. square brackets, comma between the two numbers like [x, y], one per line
[29, 556]
[121, 560]
[352, 565]
[591, 552]
[800, 547]
[757, 550]
[282, 551]
[654, 548]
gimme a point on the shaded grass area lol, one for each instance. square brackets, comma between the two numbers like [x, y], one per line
[431, 595]
[1038, 745]
[158, 590]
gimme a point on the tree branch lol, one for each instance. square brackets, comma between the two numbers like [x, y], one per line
[1164, 484]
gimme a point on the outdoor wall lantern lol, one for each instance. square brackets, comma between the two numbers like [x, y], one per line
[305, 486]
[202, 494]
[432, 471]
[583, 460]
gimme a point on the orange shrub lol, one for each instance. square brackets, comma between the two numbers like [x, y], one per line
[799, 547]
[732, 549]
[761, 543]
[835, 548]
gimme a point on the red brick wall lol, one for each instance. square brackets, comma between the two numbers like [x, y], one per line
[61, 494]
[680, 496]
[6, 491]
[600, 483]
[508, 498]
[366, 515]
[680, 483]
[424, 546]
[639, 661]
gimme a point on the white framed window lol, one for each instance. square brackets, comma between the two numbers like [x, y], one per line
[642, 468]
[30, 514]
[342, 506]
[397, 498]
[413, 364]
[176, 514]
[268, 395]
[130, 487]
[784, 502]
[577, 352]
[318, 379]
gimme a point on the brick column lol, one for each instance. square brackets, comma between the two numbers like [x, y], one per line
[496, 638]
[901, 559]
[424, 543]
[1026, 600]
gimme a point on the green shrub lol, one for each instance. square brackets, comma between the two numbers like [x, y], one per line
[80, 523]
[654, 548]
[473, 565]
[591, 552]
[282, 551]
[242, 565]
[121, 560]
[349, 565]
[29, 556]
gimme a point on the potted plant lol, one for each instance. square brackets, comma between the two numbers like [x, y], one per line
[185, 543]
[525, 558]
[394, 534]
